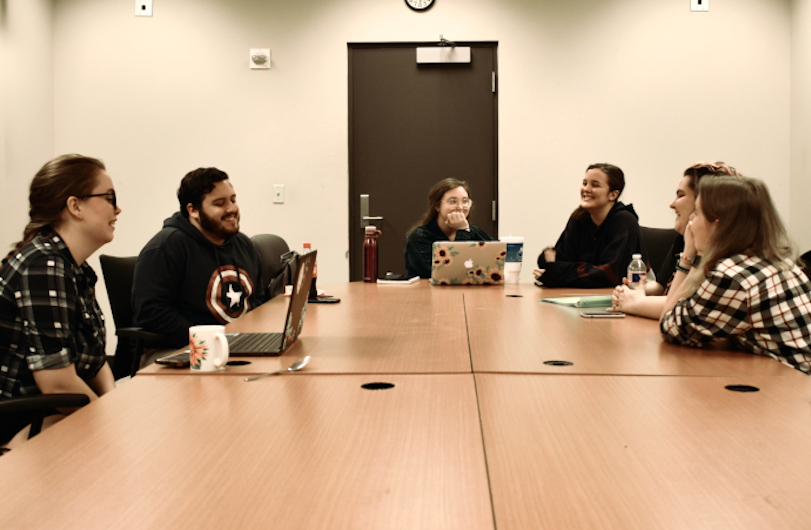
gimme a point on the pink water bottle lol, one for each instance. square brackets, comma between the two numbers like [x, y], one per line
[370, 254]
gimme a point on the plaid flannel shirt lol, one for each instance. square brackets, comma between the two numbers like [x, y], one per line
[762, 308]
[49, 317]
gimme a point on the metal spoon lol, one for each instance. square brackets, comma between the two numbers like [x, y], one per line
[295, 367]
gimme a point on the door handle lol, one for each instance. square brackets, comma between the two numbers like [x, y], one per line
[364, 212]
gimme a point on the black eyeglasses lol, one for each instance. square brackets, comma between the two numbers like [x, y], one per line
[110, 194]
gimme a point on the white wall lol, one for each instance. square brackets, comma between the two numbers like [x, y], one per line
[648, 86]
[801, 123]
[26, 107]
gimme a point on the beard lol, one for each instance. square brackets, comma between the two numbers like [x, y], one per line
[217, 227]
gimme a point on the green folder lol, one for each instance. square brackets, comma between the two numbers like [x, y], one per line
[582, 301]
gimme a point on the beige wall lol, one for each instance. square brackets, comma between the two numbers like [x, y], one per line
[26, 106]
[800, 206]
[648, 86]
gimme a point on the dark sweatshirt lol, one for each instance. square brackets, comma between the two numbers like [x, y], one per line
[182, 279]
[592, 256]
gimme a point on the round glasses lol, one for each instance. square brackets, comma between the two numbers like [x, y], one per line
[464, 203]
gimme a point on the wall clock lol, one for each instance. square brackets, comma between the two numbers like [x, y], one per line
[419, 5]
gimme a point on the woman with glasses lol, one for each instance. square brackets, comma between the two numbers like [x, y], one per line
[449, 205]
[737, 278]
[52, 334]
[600, 238]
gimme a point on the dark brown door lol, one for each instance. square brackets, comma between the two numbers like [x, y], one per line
[410, 126]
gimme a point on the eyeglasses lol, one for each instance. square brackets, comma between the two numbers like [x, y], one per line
[109, 194]
[464, 202]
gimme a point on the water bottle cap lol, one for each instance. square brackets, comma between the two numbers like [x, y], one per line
[636, 256]
[371, 229]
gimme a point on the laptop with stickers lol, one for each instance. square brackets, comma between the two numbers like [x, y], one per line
[468, 262]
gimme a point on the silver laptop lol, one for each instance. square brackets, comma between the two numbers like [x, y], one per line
[468, 262]
[276, 343]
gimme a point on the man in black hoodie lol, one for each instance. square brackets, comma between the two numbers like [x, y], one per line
[200, 269]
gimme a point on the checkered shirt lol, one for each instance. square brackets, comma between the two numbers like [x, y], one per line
[49, 317]
[760, 307]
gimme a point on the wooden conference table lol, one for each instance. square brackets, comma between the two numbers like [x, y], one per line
[634, 434]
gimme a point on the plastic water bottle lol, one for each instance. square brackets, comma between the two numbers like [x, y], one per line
[370, 254]
[637, 272]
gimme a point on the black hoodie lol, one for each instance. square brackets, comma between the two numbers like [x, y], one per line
[592, 256]
[182, 279]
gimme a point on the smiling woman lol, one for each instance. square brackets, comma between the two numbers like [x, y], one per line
[52, 334]
[449, 205]
[601, 236]
[647, 302]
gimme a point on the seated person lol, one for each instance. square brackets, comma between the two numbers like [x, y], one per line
[449, 205]
[199, 269]
[737, 278]
[648, 302]
[52, 334]
[600, 238]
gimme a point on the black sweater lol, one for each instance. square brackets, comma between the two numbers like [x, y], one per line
[592, 256]
[182, 279]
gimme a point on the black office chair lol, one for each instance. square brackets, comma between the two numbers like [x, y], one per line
[31, 410]
[658, 242]
[806, 263]
[118, 275]
[275, 270]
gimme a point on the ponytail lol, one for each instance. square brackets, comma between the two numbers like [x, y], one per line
[63, 177]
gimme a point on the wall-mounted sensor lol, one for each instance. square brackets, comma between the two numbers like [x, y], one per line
[260, 58]
[699, 5]
[143, 8]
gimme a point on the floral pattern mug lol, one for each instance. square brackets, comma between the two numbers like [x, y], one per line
[208, 348]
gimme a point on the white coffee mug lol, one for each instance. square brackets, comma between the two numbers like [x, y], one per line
[208, 348]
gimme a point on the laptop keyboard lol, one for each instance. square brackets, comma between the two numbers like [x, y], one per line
[254, 343]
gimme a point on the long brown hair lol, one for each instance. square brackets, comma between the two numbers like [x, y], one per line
[616, 182]
[63, 177]
[435, 197]
[748, 223]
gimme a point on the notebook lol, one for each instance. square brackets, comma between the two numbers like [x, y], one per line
[582, 301]
[468, 262]
[276, 343]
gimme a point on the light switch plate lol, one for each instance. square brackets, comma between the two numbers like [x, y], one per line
[143, 8]
[699, 5]
[278, 193]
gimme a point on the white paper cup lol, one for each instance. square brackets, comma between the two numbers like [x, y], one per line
[208, 348]
[512, 272]
[514, 258]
